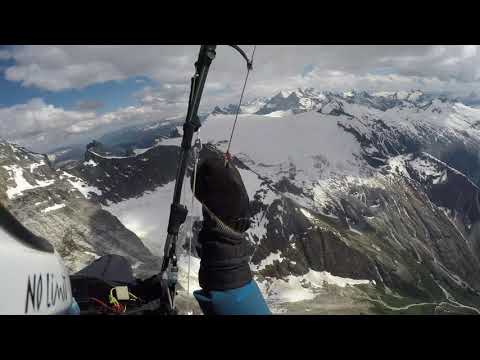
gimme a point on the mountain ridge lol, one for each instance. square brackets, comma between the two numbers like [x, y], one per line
[308, 99]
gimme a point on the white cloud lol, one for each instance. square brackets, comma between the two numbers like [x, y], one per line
[63, 67]
[65, 77]
[57, 68]
[35, 117]
[43, 127]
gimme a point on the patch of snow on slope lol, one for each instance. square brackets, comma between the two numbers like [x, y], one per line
[81, 185]
[52, 208]
[259, 227]
[108, 157]
[285, 93]
[304, 287]
[269, 197]
[307, 214]
[90, 162]
[324, 190]
[320, 195]
[269, 260]
[92, 254]
[397, 164]
[21, 184]
[356, 232]
[141, 151]
[425, 168]
[36, 165]
[253, 106]
[279, 113]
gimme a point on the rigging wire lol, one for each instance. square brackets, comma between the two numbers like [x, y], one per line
[190, 225]
[196, 154]
[227, 153]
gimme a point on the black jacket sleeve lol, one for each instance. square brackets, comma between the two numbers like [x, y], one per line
[224, 258]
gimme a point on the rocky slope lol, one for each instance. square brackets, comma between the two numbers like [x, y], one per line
[59, 206]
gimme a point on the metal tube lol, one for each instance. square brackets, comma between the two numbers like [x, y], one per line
[198, 90]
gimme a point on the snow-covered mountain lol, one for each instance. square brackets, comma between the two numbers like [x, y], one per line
[288, 102]
[363, 203]
[282, 104]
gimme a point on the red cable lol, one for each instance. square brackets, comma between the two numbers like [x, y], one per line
[103, 304]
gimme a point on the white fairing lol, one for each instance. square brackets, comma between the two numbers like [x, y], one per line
[31, 282]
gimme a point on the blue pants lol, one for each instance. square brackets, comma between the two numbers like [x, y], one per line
[247, 300]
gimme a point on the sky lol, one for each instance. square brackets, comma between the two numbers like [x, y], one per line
[52, 96]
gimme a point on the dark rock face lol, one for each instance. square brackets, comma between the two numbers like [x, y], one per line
[121, 178]
[395, 234]
[463, 158]
[460, 198]
[309, 247]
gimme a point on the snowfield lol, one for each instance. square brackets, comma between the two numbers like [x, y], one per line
[278, 143]
[305, 287]
[147, 216]
[21, 184]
